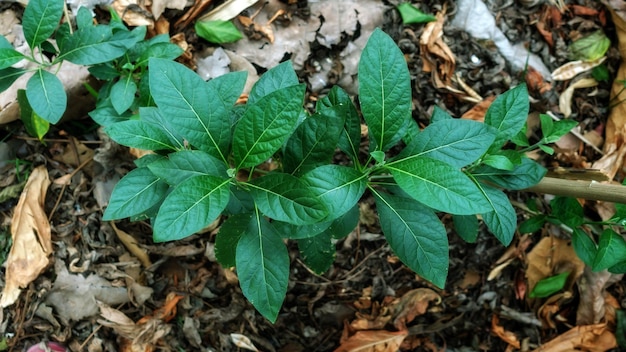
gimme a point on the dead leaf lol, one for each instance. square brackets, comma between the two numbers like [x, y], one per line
[131, 244]
[30, 232]
[132, 12]
[243, 341]
[593, 338]
[412, 304]
[565, 100]
[592, 306]
[436, 55]
[504, 335]
[477, 113]
[228, 10]
[158, 6]
[574, 68]
[373, 341]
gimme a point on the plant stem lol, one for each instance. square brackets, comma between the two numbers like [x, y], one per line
[591, 190]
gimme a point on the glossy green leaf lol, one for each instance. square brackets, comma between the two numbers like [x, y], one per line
[568, 211]
[454, 141]
[8, 76]
[508, 114]
[4, 43]
[123, 94]
[500, 162]
[413, 129]
[218, 31]
[553, 130]
[105, 115]
[185, 164]
[190, 207]
[154, 117]
[104, 71]
[41, 18]
[411, 14]
[501, 220]
[345, 224]
[228, 237]
[318, 252]
[314, 141]
[228, 87]
[620, 329]
[240, 201]
[266, 125]
[533, 224]
[438, 185]
[584, 246]
[611, 250]
[166, 50]
[297, 232]
[338, 187]
[140, 135]
[384, 90]
[9, 57]
[350, 139]
[263, 267]
[35, 125]
[466, 227]
[84, 17]
[415, 235]
[439, 115]
[549, 286]
[92, 45]
[286, 198]
[204, 121]
[524, 175]
[134, 194]
[276, 78]
[148, 159]
[46, 96]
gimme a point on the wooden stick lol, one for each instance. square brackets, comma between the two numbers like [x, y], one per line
[581, 189]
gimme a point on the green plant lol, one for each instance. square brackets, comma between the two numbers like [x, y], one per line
[116, 54]
[266, 167]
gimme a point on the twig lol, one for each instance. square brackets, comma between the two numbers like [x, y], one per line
[591, 190]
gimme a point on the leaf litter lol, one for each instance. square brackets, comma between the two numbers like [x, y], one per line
[368, 300]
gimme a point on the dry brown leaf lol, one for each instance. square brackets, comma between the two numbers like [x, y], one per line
[373, 341]
[412, 304]
[131, 12]
[131, 244]
[593, 338]
[477, 113]
[30, 232]
[592, 307]
[436, 55]
[504, 335]
[158, 6]
[565, 100]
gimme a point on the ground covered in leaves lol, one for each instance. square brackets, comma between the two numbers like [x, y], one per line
[105, 286]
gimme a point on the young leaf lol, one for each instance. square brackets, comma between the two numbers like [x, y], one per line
[611, 250]
[438, 185]
[228, 236]
[8, 76]
[456, 142]
[134, 194]
[46, 96]
[9, 57]
[416, 236]
[185, 164]
[228, 87]
[191, 206]
[568, 211]
[411, 14]
[584, 246]
[549, 286]
[350, 139]
[276, 78]
[466, 227]
[105, 115]
[384, 90]
[318, 252]
[524, 175]
[123, 94]
[338, 187]
[313, 142]
[41, 18]
[266, 125]
[180, 92]
[35, 125]
[286, 198]
[166, 50]
[140, 135]
[90, 46]
[218, 32]
[154, 117]
[263, 267]
[84, 18]
[508, 114]
[501, 220]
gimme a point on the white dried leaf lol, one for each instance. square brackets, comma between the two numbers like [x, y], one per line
[242, 341]
[574, 68]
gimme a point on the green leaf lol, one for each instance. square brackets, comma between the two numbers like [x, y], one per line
[35, 125]
[286, 198]
[500, 162]
[154, 117]
[549, 286]
[611, 250]
[134, 194]
[9, 57]
[240, 201]
[84, 18]
[190, 207]
[620, 329]
[266, 125]
[454, 141]
[466, 227]
[439, 115]
[185, 164]
[41, 18]
[508, 114]
[123, 94]
[105, 115]
[520, 138]
[276, 78]
[584, 246]
[228, 236]
[46, 96]
[438, 185]
[524, 175]
[533, 224]
[263, 267]
[415, 235]
[345, 224]
[350, 139]
[167, 51]
[568, 211]
[8, 76]
[553, 130]
[619, 268]
[201, 118]
[218, 32]
[91, 45]
[501, 220]
[297, 232]
[229, 86]
[148, 159]
[411, 14]
[337, 187]
[104, 71]
[591, 47]
[384, 90]
[4, 43]
[413, 129]
[313, 142]
[318, 252]
[141, 135]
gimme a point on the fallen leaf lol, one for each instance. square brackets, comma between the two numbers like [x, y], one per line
[504, 335]
[574, 68]
[436, 55]
[373, 341]
[565, 100]
[158, 6]
[132, 12]
[131, 244]
[30, 232]
[478, 111]
[243, 341]
[412, 304]
[593, 338]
